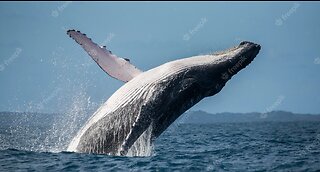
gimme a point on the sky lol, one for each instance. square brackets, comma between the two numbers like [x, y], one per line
[43, 70]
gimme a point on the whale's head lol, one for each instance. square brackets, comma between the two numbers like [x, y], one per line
[192, 79]
[216, 69]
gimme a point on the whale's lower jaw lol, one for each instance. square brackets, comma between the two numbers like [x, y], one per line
[155, 99]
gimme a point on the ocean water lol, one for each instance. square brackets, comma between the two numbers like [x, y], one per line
[267, 146]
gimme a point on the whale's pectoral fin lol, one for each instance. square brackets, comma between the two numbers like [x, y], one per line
[135, 133]
[139, 126]
[119, 68]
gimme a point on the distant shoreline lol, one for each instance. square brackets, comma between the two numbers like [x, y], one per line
[190, 117]
[273, 116]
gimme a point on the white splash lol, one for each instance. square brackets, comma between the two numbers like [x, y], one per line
[65, 126]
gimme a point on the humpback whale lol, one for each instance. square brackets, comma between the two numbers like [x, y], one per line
[150, 101]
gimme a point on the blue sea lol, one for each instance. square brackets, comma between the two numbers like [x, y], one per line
[258, 146]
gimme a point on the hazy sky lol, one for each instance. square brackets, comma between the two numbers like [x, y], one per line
[42, 69]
